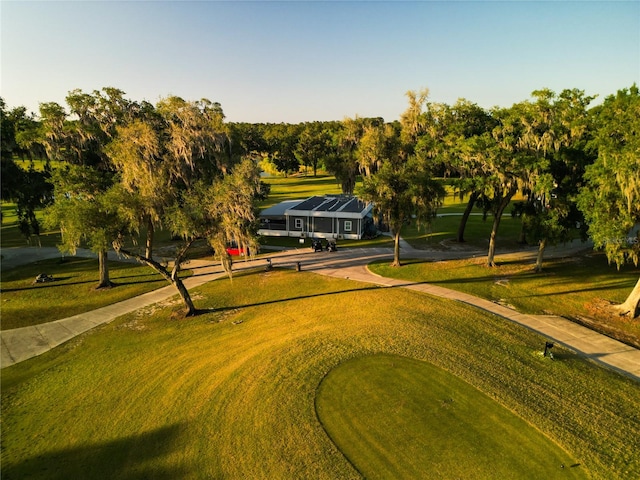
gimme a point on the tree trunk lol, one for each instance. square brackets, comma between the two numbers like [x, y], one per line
[104, 270]
[494, 229]
[492, 241]
[632, 304]
[465, 216]
[523, 235]
[396, 250]
[171, 277]
[149, 244]
[541, 245]
[186, 297]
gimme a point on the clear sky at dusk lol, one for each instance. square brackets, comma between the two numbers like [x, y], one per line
[303, 60]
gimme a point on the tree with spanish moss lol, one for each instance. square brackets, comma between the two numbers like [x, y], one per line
[558, 130]
[502, 164]
[84, 207]
[610, 200]
[403, 188]
[461, 122]
[179, 171]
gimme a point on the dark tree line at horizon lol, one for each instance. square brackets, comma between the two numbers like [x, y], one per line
[575, 165]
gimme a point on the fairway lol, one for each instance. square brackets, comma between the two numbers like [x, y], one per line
[395, 417]
[231, 393]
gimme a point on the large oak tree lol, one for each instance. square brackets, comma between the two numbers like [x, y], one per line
[83, 207]
[402, 188]
[179, 171]
[611, 200]
[557, 129]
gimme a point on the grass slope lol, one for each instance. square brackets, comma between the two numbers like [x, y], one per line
[395, 417]
[231, 393]
[576, 288]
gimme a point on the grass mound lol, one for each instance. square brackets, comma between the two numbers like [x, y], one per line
[396, 417]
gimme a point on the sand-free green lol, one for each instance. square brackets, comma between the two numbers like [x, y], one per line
[396, 417]
[231, 393]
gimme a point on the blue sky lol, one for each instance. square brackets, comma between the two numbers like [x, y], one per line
[299, 61]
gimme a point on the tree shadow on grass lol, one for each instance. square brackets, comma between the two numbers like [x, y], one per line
[292, 299]
[559, 286]
[130, 458]
[56, 283]
[70, 267]
[555, 278]
[560, 292]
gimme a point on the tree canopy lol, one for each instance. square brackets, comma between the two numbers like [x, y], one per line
[130, 168]
[611, 200]
[398, 181]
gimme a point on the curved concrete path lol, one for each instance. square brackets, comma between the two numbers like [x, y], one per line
[23, 343]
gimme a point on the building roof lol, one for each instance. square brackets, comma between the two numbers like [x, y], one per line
[356, 205]
[331, 204]
[321, 206]
[280, 208]
[310, 203]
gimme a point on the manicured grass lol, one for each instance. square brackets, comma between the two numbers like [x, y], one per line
[9, 214]
[73, 291]
[477, 232]
[38, 164]
[231, 393]
[11, 237]
[577, 288]
[298, 187]
[396, 417]
[10, 234]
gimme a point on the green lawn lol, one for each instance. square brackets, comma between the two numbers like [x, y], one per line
[477, 233]
[396, 417]
[10, 236]
[577, 288]
[232, 393]
[297, 187]
[73, 291]
[477, 230]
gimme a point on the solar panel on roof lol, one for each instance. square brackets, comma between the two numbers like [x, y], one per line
[329, 205]
[310, 203]
[354, 206]
[340, 202]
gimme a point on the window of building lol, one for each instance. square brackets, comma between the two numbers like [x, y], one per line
[347, 225]
[298, 223]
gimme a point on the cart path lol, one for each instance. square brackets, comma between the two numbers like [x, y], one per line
[27, 342]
